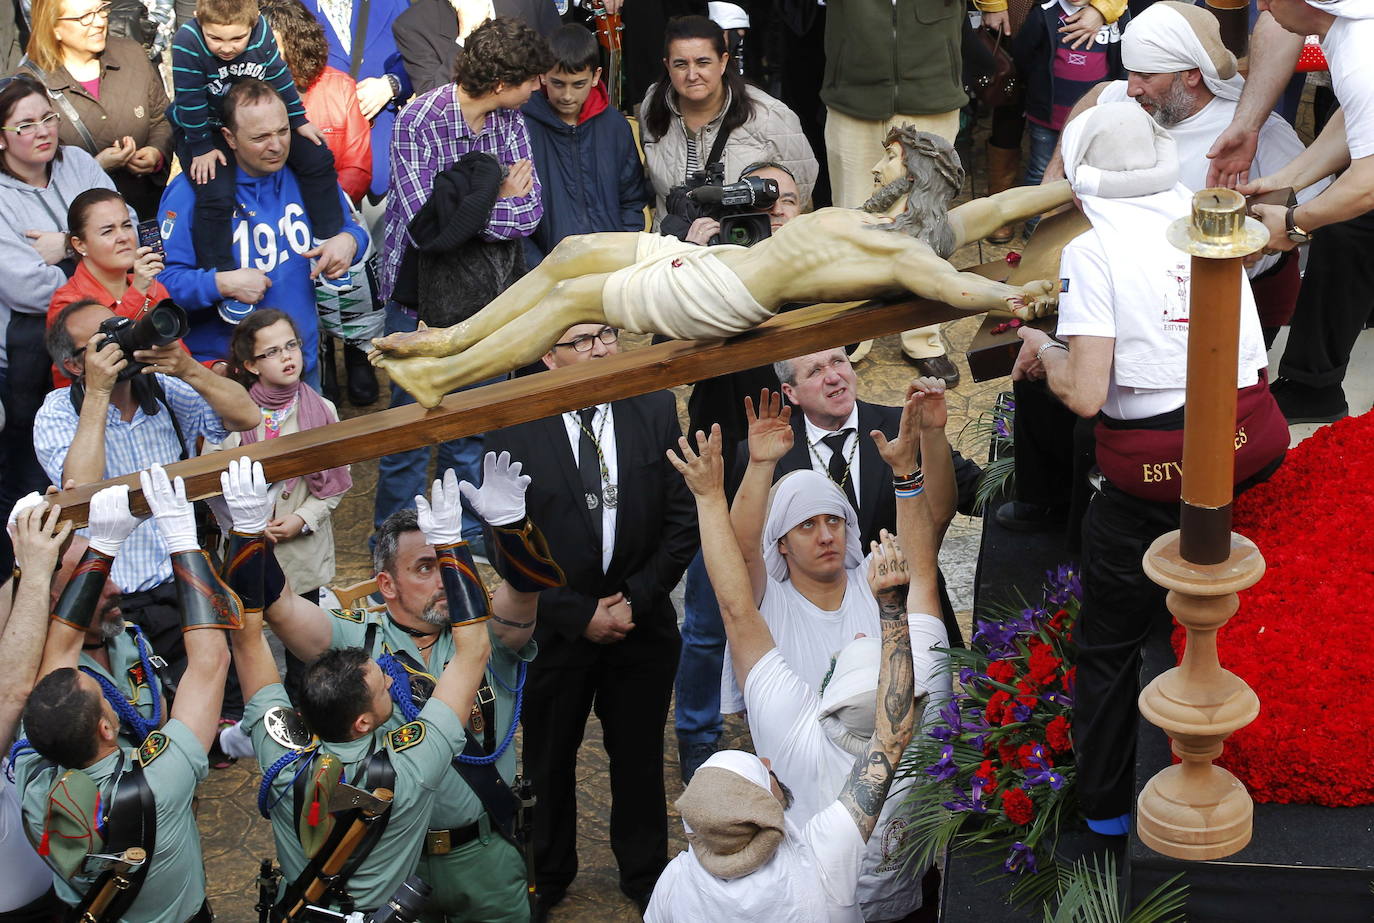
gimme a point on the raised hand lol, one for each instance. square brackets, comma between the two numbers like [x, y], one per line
[704, 472]
[110, 521]
[934, 410]
[500, 500]
[38, 539]
[770, 430]
[901, 453]
[172, 512]
[247, 495]
[441, 516]
[888, 576]
[34, 498]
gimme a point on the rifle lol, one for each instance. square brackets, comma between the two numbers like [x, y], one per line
[608, 28]
[115, 884]
[318, 877]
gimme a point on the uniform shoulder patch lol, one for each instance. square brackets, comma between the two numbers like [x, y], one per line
[407, 736]
[350, 615]
[153, 746]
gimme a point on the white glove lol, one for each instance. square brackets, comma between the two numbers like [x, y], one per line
[33, 499]
[500, 500]
[109, 520]
[247, 495]
[171, 510]
[441, 517]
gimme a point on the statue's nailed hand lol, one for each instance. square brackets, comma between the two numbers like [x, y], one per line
[1036, 299]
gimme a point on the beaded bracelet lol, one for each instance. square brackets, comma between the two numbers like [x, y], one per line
[908, 493]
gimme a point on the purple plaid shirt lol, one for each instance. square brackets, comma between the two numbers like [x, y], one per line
[430, 135]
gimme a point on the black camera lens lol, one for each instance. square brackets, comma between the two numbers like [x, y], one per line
[405, 905]
[165, 323]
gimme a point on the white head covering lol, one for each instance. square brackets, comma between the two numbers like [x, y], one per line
[1170, 37]
[849, 699]
[1116, 151]
[796, 498]
[787, 887]
[1346, 9]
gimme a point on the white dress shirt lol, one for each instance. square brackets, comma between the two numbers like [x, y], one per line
[606, 439]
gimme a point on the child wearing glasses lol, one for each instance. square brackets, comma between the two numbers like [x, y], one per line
[266, 359]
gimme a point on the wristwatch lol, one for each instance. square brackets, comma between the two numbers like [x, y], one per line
[1296, 234]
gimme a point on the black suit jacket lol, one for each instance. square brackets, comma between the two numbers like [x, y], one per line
[877, 504]
[655, 535]
[427, 35]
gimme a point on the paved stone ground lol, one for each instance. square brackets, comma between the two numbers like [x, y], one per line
[236, 838]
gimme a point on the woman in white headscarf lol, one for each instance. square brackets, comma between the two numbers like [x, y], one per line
[1123, 320]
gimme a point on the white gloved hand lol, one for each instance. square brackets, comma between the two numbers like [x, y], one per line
[500, 500]
[172, 512]
[441, 517]
[247, 495]
[33, 499]
[109, 519]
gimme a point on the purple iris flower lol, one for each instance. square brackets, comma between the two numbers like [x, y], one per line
[998, 639]
[1020, 712]
[1003, 429]
[944, 768]
[1045, 776]
[1064, 584]
[965, 801]
[1021, 859]
[968, 674]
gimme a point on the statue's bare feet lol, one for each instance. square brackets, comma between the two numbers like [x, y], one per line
[416, 376]
[1036, 299]
[426, 341]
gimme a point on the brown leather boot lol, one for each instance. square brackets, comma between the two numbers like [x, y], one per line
[1004, 168]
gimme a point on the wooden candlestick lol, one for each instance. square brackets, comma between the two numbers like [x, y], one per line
[1197, 810]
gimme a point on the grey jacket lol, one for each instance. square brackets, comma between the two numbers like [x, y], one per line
[26, 282]
[774, 133]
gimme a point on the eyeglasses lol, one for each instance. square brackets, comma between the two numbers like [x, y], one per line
[89, 18]
[29, 129]
[290, 346]
[583, 343]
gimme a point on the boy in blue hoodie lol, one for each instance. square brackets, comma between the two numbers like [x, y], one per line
[583, 148]
[272, 233]
[226, 42]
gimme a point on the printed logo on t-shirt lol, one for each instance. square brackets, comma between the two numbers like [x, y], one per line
[1174, 316]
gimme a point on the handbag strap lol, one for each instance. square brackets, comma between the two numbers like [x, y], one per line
[65, 104]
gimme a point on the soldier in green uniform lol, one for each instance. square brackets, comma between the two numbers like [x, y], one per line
[469, 856]
[345, 702]
[87, 798]
[117, 655]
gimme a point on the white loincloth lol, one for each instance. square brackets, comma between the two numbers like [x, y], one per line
[681, 291]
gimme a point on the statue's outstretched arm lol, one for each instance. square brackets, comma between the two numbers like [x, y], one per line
[935, 279]
[979, 218]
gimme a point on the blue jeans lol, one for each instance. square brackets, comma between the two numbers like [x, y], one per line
[1042, 142]
[697, 712]
[403, 475]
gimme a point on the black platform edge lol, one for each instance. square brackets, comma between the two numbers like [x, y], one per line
[1304, 862]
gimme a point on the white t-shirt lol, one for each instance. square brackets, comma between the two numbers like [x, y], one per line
[1087, 307]
[1278, 145]
[1346, 44]
[26, 876]
[807, 635]
[785, 726]
[810, 879]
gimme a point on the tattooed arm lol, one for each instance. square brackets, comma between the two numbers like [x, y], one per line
[865, 790]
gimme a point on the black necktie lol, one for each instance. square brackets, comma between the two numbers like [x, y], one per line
[839, 467]
[589, 466]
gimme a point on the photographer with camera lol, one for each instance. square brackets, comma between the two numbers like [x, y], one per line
[136, 399]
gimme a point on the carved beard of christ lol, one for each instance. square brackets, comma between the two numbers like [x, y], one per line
[888, 195]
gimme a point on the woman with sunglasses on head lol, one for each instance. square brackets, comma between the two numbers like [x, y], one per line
[39, 179]
[110, 99]
[113, 269]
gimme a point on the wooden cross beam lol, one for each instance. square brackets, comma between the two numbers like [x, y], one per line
[519, 400]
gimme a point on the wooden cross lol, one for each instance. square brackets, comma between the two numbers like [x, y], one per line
[534, 397]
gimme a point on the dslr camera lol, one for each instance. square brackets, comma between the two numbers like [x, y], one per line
[741, 207]
[165, 323]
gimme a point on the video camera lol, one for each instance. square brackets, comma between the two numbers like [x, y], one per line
[165, 323]
[740, 207]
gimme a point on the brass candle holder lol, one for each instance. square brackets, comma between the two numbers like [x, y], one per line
[1195, 809]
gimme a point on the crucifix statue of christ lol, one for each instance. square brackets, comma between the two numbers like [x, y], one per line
[898, 242]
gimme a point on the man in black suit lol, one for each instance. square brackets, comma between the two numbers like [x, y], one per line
[427, 34]
[622, 525]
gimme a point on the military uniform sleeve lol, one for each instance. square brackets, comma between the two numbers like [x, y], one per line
[425, 747]
[173, 763]
[268, 697]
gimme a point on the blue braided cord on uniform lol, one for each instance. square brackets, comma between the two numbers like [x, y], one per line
[125, 709]
[400, 686]
[519, 691]
[286, 759]
[20, 745]
[153, 680]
